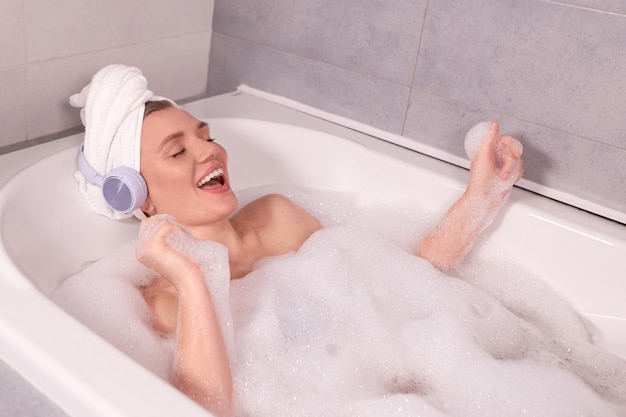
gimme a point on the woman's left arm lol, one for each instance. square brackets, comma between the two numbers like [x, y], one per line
[495, 168]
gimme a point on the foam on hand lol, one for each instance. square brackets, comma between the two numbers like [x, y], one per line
[478, 134]
[475, 137]
[474, 140]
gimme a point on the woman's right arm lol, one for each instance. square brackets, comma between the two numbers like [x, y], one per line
[201, 368]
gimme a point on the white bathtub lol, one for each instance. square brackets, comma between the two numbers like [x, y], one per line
[47, 233]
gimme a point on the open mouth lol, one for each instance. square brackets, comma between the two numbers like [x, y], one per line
[214, 179]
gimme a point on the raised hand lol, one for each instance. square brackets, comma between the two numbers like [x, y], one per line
[156, 252]
[496, 161]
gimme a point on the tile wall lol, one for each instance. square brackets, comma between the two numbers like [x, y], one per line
[50, 49]
[552, 72]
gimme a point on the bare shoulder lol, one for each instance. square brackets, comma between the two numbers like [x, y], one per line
[274, 207]
[272, 202]
[280, 223]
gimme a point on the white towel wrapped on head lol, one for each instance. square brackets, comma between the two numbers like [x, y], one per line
[112, 108]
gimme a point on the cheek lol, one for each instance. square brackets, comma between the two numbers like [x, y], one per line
[163, 184]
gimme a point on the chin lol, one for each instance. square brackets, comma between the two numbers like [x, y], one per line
[219, 210]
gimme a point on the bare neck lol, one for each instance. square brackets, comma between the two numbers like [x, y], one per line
[240, 238]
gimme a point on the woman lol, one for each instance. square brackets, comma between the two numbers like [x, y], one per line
[186, 173]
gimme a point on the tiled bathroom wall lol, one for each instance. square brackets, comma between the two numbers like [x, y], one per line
[552, 72]
[50, 49]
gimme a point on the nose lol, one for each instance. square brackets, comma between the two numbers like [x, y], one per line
[206, 150]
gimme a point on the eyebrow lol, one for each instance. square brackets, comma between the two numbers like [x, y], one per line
[178, 134]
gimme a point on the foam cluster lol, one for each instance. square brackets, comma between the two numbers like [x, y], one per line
[475, 137]
[105, 296]
[353, 324]
[474, 140]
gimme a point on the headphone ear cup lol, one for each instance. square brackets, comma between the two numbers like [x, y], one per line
[124, 189]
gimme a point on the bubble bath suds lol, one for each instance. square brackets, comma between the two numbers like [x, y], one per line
[354, 325]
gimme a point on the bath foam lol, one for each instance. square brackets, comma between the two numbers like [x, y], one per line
[104, 297]
[360, 328]
[353, 324]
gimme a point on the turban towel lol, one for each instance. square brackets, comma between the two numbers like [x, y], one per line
[111, 109]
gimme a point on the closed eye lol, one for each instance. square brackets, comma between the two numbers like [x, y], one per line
[179, 153]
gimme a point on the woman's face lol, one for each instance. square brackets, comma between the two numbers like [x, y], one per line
[186, 174]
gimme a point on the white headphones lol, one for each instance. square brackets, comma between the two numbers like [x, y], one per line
[124, 189]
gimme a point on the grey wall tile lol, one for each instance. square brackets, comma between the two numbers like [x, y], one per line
[554, 71]
[12, 104]
[373, 37]
[581, 167]
[66, 27]
[614, 6]
[175, 68]
[559, 66]
[440, 122]
[350, 94]
[11, 33]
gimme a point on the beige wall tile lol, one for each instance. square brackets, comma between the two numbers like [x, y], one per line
[175, 67]
[11, 33]
[62, 28]
[12, 105]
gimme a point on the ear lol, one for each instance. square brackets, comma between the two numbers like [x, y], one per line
[148, 208]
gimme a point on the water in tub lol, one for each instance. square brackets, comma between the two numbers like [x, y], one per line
[354, 325]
